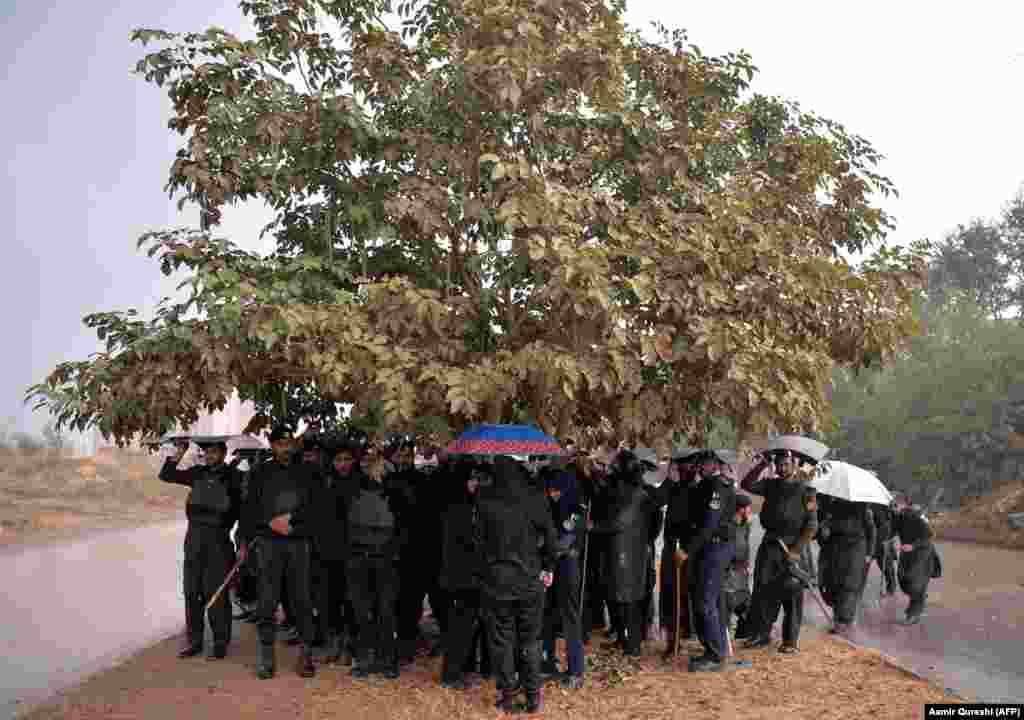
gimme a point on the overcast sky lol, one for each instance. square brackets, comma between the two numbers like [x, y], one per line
[87, 150]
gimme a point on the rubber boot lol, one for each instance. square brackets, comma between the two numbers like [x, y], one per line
[534, 701]
[305, 667]
[265, 661]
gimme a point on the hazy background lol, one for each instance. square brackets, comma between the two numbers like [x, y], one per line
[938, 91]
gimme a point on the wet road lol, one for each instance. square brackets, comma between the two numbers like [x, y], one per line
[976, 649]
[75, 608]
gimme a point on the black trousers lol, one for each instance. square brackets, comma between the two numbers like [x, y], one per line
[915, 572]
[419, 581]
[515, 625]
[595, 594]
[373, 591]
[845, 574]
[563, 604]
[319, 595]
[464, 633]
[209, 557]
[339, 616]
[284, 568]
[631, 619]
[885, 558]
[770, 597]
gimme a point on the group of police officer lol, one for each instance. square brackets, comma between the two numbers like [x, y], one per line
[350, 542]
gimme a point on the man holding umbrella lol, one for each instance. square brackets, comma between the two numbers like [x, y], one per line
[847, 534]
[212, 509]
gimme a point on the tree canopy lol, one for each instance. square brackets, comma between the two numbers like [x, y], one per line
[491, 210]
[985, 261]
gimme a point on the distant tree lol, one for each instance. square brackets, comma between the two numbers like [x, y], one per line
[25, 441]
[975, 259]
[1013, 233]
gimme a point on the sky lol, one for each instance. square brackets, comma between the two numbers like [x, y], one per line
[87, 147]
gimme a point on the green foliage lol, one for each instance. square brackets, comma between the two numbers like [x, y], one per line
[946, 382]
[498, 211]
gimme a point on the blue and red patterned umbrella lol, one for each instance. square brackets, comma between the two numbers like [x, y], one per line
[504, 440]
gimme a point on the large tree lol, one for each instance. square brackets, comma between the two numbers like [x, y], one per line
[500, 210]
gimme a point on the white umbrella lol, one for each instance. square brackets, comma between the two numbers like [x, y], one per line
[849, 482]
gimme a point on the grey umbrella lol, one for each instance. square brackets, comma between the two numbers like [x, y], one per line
[801, 445]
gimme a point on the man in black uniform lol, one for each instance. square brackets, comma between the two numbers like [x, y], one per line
[280, 517]
[376, 518]
[790, 521]
[460, 578]
[847, 539]
[212, 508]
[312, 456]
[675, 494]
[519, 549]
[421, 563]
[340, 485]
[916, 556]
[248, 592]
[714, 544]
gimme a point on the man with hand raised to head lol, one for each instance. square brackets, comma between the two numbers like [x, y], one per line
[212, 508]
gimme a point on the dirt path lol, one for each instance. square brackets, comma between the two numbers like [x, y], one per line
[830, 678]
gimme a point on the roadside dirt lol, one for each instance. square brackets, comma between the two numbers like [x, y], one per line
[983, 520]
[46, 496]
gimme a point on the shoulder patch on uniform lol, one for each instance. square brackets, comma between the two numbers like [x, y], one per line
[811, 503]
[716, 501]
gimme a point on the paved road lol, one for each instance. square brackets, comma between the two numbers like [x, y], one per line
[75, 608]
[976, 651]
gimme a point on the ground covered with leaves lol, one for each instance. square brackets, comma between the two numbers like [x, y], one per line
[827, 680]
[48, 495]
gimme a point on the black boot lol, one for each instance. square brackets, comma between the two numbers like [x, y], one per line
[219, 652]
[265, 661]
[534, 702]
[306, 668]
[361, 668]
[194, 647]
[334, 643]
